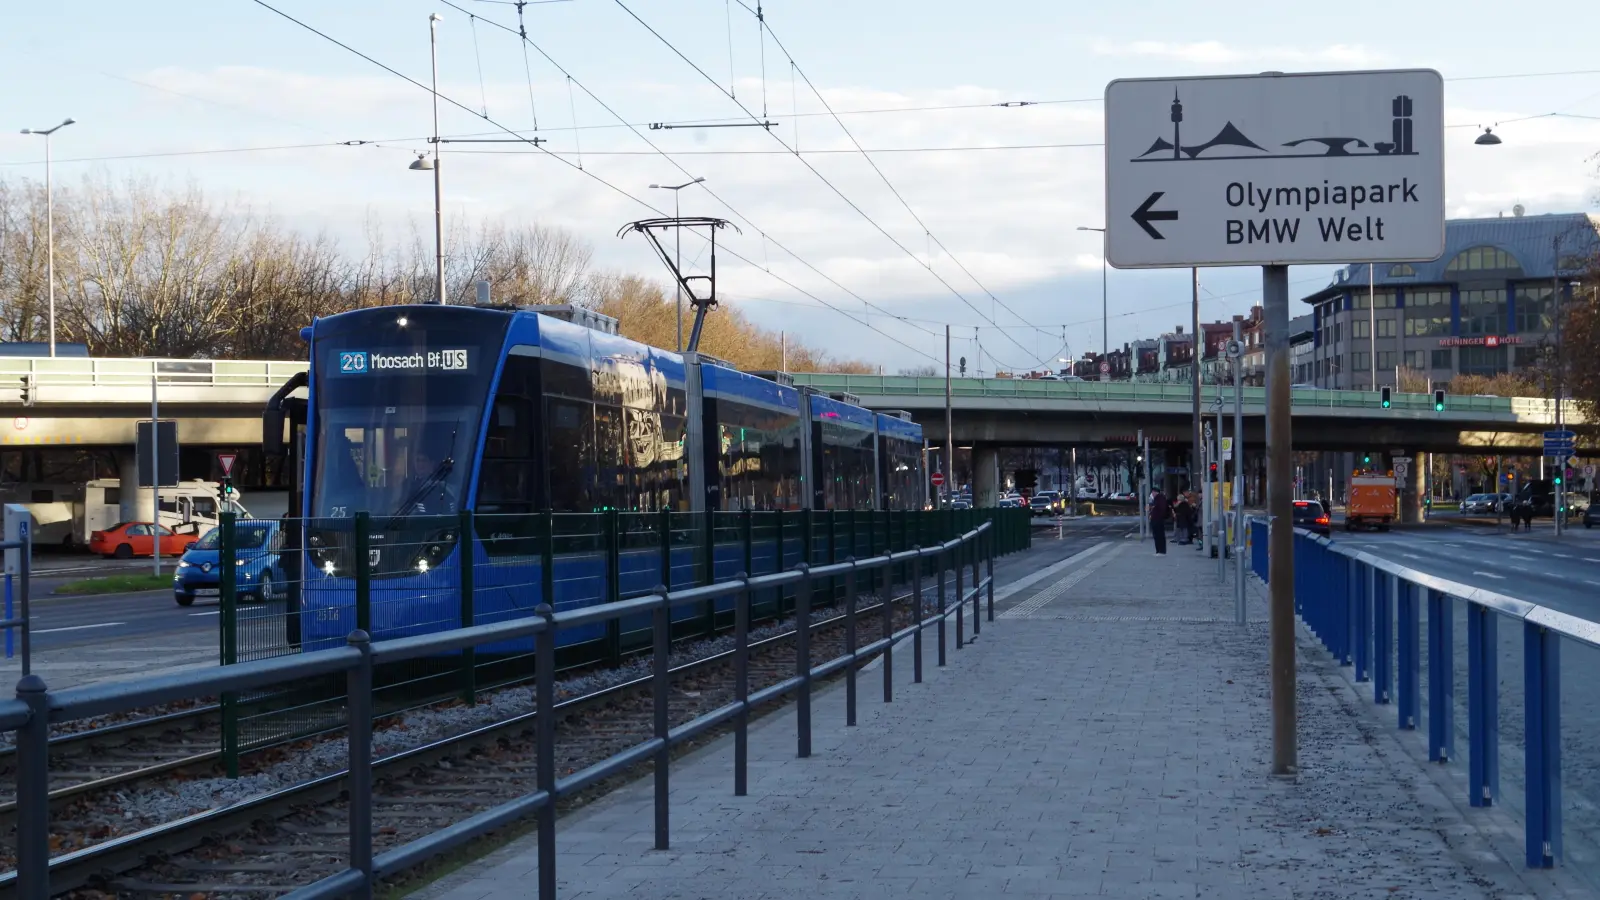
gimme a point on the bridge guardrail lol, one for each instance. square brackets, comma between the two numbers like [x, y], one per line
[1112, 391]
[92, 372]
[35, 708]
[1408, 633]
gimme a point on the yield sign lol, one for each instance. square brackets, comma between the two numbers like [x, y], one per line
[227, 462]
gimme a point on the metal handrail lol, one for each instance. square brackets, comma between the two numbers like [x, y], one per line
[95, 372]
[1367, 611]
[36, 708]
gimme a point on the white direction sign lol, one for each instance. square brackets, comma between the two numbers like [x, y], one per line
[1275, 169]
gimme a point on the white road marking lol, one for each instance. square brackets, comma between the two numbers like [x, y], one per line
[214, 612]
[78, 627]
[1587, 581]
[1590, 559]
[1411, 556]
[1491, 575]
[1532, 550]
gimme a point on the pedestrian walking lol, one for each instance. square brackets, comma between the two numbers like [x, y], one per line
[1159, 511]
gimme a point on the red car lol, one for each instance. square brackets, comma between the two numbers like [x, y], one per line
[129, 539]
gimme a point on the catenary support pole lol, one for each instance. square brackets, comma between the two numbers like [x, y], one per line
[1197, 465]
[949, 430]
[1280, 515]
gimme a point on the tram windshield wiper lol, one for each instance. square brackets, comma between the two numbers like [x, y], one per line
[440, 472]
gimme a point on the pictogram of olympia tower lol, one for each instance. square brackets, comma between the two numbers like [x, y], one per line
[1177, 117]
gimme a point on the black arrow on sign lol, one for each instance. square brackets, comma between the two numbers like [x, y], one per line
[1144, 215]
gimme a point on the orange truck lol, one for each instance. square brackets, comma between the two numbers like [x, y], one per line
[1373, 501]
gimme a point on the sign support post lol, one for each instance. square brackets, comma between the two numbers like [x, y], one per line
[1280, 513]
[1236, 350]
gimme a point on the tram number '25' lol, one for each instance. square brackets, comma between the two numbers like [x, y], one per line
[353, 362]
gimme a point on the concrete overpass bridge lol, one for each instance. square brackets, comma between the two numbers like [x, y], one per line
[1022, 412]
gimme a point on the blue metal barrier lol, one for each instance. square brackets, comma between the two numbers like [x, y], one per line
[1368, 611]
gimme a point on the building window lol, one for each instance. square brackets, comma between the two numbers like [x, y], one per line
[1482, 360]
[1382, 299]
[1441, 359]
[1572, 264]
[1483, 312]
[1525, 357]
[1385, 328]
[1403, 270]
[1428, 313]
[1386, 359]
[1478, 259]
[1418, 359]
[1338, 332]
[1358, 361]
[1535, 311]
[1359, 330]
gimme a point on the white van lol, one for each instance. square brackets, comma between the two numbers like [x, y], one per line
[64, 515]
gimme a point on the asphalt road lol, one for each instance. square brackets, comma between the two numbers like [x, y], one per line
[1560, 573]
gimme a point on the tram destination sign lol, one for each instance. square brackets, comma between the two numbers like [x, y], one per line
[1275, 169]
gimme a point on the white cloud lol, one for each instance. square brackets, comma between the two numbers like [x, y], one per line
[1210, 53]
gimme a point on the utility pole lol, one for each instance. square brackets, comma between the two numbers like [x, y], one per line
[949, 429]
[438, 213]
[155, 465]
[1372, 327]
[1280, 515]
[1555, 304]
[1238, 475]
[1196, 463]
[49, 225]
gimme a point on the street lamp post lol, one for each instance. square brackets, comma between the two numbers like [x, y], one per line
[423, 164]
[678, 239]
[50, 225]
[1105, 318]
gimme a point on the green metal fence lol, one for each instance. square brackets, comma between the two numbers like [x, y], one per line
[416, 579]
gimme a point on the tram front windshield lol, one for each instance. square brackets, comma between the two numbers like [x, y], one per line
[397, 413]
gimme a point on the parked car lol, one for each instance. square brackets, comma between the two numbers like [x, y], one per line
[1309, 514]
[258, 562]
[126, 540]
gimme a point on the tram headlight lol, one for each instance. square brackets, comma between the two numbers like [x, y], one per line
[422, 565]
[327, 567]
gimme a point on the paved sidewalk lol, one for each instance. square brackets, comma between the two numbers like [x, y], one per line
[1107, 736]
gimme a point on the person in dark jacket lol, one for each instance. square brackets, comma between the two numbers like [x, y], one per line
[1183, 513]
[1159, 510]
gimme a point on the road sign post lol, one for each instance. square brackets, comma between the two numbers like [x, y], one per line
[1275, 170]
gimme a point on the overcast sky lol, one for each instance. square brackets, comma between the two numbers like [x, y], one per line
[163, 77]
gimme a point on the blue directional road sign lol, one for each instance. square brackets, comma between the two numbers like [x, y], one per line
[1559, 448]
[1567, 436]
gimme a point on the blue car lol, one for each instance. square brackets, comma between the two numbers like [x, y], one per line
[258, 561]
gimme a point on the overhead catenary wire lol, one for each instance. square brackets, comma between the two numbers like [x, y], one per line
[795, 65]
[831, 186]
[589, 174]
[668, 157]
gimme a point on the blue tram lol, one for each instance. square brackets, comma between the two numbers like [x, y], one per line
[418, 413]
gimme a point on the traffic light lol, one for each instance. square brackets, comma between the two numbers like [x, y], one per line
[1558, 479]
[27, 390]
[1385, 396]
[1213, 471]
[1366, 459]
[1438, 400]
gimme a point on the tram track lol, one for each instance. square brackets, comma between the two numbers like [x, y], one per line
[597, 723]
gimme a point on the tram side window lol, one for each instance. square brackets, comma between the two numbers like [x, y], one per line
[611, 489]
[758, 457]
[849, 467]
[902, 474]
[507, 481]
[669, 485]
[570, 454]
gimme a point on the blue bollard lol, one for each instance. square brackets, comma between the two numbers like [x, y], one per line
[1483, 706]
[1409, 655]
[1383, 591]
[1441, 678]
[1541, 657]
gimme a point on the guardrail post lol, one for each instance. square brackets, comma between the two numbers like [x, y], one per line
[988, 545]
[802, 662]
[782, 561]
[363, 572]
[1483, 706]
[661, 689]
[1364, 575]
[547, 564]
[1383, 591]
[544, 700]
[939, 564]
[850, 641]
[1410, 654]
[886, 606]
[960, 598]
[1345, 568]
[808, 535]
[710, 612]
[664, 537]
[358, 706]
[977, 585]
[466, 547]
[741, 685]
[612, 523]
[33, 792]
[833, 554]
[1541, 654]
[916, 614]
[1441, 679]
[227, 583]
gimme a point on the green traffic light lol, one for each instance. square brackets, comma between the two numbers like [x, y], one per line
[1385, 404]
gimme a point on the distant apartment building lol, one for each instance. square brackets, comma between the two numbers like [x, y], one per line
[1488, 305]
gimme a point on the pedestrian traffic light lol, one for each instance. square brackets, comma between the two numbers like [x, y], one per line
[1386, 397]
[1438, 400]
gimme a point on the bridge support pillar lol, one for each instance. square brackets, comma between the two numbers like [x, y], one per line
[985, 476]
[137, 505]
[1411, 492]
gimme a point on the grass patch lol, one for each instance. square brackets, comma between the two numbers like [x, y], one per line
[115, 584]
